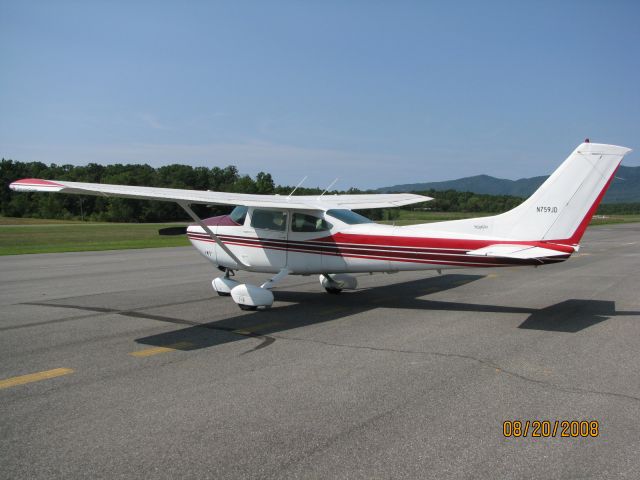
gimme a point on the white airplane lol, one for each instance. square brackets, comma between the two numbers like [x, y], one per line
[303, 235]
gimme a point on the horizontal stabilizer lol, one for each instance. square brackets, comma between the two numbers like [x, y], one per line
[517, 251]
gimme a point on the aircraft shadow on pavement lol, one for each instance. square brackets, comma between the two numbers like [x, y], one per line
[572, 315]
[308, 308]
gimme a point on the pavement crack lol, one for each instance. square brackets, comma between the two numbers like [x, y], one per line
[482, 362]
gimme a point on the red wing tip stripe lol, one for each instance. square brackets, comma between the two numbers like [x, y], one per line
[36, 182]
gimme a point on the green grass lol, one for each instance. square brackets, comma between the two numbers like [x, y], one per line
[33, 221]
[26, 237]
[612, 219]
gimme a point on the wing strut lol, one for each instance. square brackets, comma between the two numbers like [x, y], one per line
[187, 208]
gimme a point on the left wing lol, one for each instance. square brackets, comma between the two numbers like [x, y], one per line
[299, 202]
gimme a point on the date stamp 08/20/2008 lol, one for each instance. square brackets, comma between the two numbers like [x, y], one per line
[551, 428]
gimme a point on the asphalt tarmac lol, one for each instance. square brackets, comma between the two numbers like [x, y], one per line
[136, 369]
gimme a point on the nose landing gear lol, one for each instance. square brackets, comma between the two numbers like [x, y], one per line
[223, 285]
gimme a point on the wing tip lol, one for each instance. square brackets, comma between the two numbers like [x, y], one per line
[34, 184]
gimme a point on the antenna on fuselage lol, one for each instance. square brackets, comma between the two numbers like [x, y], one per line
[330, 185]
[299, 183]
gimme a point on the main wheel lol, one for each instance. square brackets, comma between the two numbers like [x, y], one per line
[332, 290]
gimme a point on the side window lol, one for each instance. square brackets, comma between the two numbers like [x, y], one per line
[301, 222]
[269, 219]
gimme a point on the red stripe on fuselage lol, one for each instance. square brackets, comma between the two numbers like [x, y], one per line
[432, 242]
[370, 250]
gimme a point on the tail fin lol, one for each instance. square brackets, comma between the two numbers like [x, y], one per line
[560, 210]
[562, 207]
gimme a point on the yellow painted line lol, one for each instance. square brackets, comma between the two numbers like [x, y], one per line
[492, 275]
[252, 328]
[34, 377]
[147, 352]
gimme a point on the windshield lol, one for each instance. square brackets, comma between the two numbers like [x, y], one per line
[348, 217]
[238, 215]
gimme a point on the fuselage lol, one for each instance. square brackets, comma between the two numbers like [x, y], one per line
[332, 242]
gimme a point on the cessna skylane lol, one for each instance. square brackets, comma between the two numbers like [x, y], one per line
[321, 234]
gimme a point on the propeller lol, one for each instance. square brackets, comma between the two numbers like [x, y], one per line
[173, 231]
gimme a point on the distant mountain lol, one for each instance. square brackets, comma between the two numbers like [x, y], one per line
[624, 188]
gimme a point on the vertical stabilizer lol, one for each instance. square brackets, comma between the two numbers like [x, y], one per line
[560, 210]
[562, 207]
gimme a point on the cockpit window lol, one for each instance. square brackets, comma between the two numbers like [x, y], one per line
[348, 217]
[239, 214]
[301, 222]
[269, 219]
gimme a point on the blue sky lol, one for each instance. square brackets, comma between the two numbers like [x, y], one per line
[375, 93]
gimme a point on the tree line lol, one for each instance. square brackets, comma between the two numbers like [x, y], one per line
[226, 179]
[93, 208]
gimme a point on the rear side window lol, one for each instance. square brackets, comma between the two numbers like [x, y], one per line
[269, 220]
[301, 222]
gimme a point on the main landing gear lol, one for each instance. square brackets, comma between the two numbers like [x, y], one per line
[252, 297]
[246, 295]
[334, 283]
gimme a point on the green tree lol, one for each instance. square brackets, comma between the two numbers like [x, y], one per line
[264, 183]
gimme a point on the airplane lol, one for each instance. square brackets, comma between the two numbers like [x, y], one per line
[322, 235]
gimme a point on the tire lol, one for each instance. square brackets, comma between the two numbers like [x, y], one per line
[247, 307]
[223, 294]
[333, 291]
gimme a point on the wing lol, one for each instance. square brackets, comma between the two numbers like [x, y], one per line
[300, 202]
